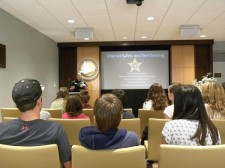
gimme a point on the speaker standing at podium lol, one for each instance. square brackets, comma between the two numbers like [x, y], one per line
[78, 84]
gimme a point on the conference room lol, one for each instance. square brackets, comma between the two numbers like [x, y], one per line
[114, 44]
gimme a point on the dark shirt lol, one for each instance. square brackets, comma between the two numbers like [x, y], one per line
[35, 133]
[77, 85]
[91, 137]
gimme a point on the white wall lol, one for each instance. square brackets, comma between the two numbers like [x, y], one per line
[29, 54]
[219, 60]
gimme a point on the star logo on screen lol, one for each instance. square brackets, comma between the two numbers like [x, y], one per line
[134, 65]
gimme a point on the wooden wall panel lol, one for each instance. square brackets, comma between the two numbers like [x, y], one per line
[188, 56]
[177, 75]
[93, 85]
[183, 65]
[177, 60]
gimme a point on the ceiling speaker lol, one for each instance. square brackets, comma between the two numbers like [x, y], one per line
[84, 33]
[188, 31]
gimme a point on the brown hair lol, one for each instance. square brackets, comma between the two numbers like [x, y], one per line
[108, 110]
[73, 106]
[158, 97]
[84, 96]
[120, 94]
[62, 93]
[173, 87]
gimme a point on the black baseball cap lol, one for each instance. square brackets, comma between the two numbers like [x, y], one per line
[26, 91]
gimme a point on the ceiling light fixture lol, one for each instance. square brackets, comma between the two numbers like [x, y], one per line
[150, 18]
[71, 21]
[143, 37]
[203, 36]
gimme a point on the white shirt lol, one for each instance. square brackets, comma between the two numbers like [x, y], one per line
[169, 111]
[179, 132]
[147, 105]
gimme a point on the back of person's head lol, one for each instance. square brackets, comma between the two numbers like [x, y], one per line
[73, 105]
[121, 95]
[214, 95]
[188, 104]
[108, 111]
[171, 89]
[157, 94]
[63, 92]
[84, 96]
[25, 94]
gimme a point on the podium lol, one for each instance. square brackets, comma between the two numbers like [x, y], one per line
[74, 93]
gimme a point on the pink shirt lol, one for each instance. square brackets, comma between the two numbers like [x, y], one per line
[79, 116]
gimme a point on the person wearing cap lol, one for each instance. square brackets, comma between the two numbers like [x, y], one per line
[78, 84]
[29, 129]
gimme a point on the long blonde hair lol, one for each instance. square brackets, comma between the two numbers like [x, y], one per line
[214, 95]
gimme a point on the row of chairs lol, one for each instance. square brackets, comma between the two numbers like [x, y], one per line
[154, 139]
[171, 156]
[143, 114]
[155, 126]
[47, 157]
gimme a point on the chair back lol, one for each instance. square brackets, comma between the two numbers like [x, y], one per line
[72, 128]
[131, 125]
[55, 113]
[10, 112]
[155, 127]
[128, 110]
[90, 114]
[5, 119]
[45, 156]
[144, 115]
[172, 156]
[132, 157]
[220, 125]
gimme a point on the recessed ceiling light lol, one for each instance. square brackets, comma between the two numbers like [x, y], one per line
[86, 39]
[203, 36]
[144, 37]
[71, 21]
[150, 18]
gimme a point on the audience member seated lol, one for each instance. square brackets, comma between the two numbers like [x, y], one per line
[156, 100]
[60, 100]
[122, 96]
[190, 124]
[85, 97]
[214, 98]
[29, 129]
[168, 112]
[74, 108]
[106, 135]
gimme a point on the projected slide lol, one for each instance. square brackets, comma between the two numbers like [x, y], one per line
[134, 69]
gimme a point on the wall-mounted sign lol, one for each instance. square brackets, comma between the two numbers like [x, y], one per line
[89, 68]
[217, 75]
